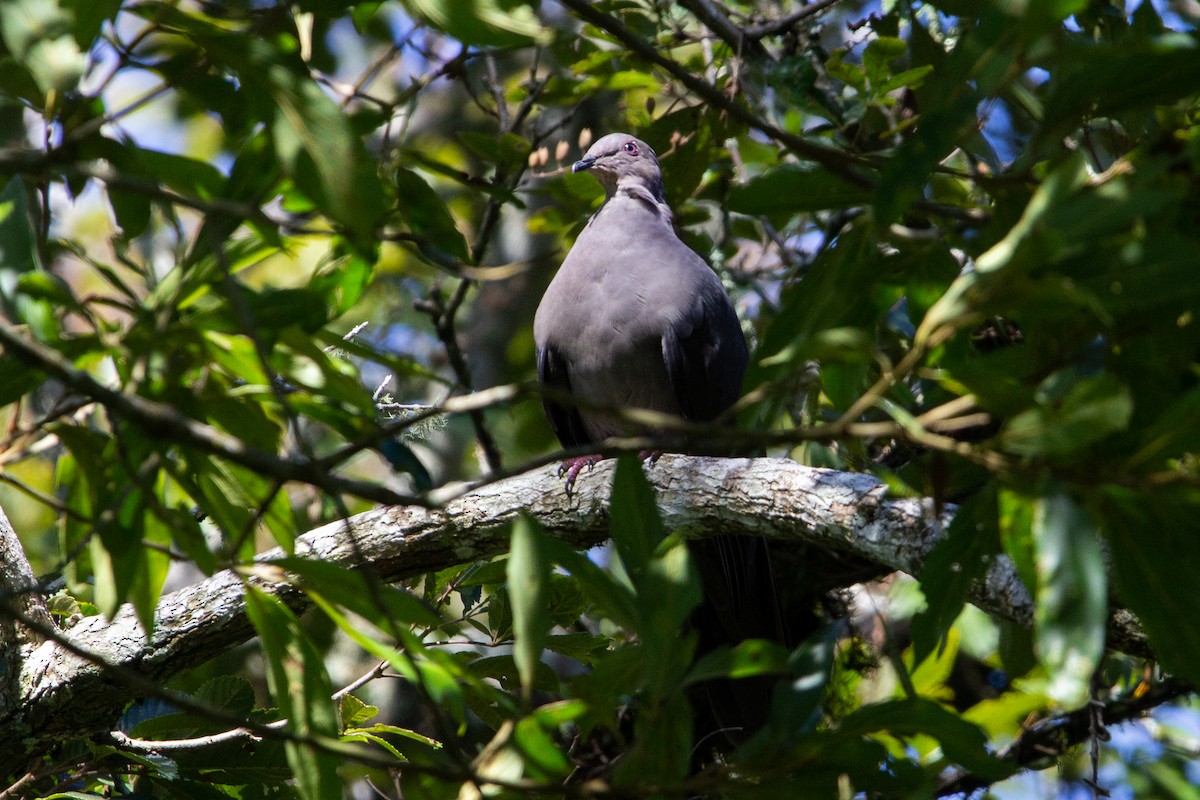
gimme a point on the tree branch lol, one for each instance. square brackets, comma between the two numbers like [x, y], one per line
[59, 692]
[168, 422]
[1054, 736]
[833, 159]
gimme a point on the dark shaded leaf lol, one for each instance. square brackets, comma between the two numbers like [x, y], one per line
[427, 215]
[1155, 557]
[960, 558]
[962, 742]
[795, 188]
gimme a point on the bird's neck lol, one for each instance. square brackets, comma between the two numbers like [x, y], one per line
[651, 194]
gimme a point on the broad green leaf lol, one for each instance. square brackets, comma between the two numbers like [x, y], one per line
[832, 294]
[929, 676]
[156, 528]
[485, 23]
[543, 756]
[750, 657]
[662, 743]
[528, 585]
[301, 689]
[342, 280]
[117, 552]
[878, 56]
[1137, 73]
[320, 151]
[666, 592]
[794, 188]
[1071, 595]
[228, 694]
[954, 563]
[962, 742]
[18, 259]
[355, 712]
[611, 596]
[906, 172]
[1156, 558]
[384, 605]
[427, 216]
[89, 16]
[635, 526]
[39, 35]
[796, 700]
[1012, 254]
[1092, 409]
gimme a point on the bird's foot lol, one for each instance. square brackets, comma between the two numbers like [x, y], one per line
[651, 457]
[571, 468]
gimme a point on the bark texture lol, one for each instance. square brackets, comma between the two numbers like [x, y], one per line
[78, 681]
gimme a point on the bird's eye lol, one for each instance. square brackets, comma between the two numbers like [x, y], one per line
[630, 148]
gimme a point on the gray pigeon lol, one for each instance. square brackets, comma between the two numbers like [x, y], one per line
[636, 319]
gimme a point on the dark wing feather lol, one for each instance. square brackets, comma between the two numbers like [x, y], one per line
[706, 358]
[565, 421]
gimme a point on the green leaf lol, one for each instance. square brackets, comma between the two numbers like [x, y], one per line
[634, 524]
[355, 712]
[954, 563]
[1090, 410]
[117, 553]
[427, 215]
[796, 702]
[662, 744]
[382, 604]
[962, 742]
[301, 689]
[18, 259]
[39, 34]
[543, 757]
[320, 151]
[528, 580]
[794, 188]
[484, 23]
[1136, 73]
[907, 171]
[1156, 561]
[342, 280]
[1071, 595]
[612, 598]
[228, 694]
[878, 57]
[750, 657]
[1016, 253]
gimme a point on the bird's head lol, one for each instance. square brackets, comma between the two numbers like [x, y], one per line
[620, 160]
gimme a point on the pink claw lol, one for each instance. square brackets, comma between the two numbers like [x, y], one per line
[571, 467]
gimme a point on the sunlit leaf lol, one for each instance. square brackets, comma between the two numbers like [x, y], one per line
[1071, 595]
[301, 688]
[528, 579]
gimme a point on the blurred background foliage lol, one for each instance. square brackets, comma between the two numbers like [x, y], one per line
[963, 239]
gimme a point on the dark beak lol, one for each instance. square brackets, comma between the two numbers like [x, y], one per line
[583, 164]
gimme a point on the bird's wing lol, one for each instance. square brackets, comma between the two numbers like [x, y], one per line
[705, 355]
[564, 420]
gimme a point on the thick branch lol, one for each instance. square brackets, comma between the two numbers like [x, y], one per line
[61, 693]
[18, 586]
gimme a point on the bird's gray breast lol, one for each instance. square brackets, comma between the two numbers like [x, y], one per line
[607, 310]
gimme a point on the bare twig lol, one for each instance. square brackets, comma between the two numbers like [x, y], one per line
[1056, 735]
